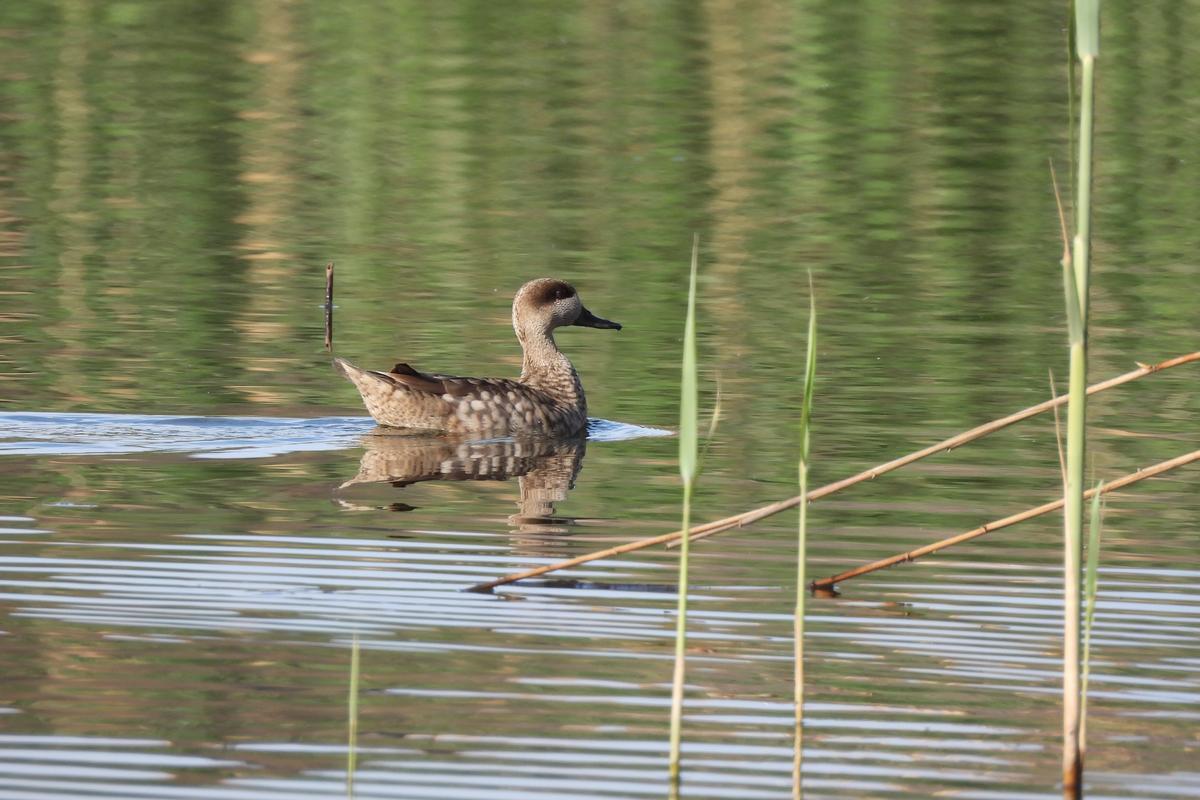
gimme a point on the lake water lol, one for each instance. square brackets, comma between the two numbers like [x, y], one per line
[193, 530]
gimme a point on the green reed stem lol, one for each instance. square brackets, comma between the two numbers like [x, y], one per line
[680, 650]
[1087, 43]
[688, 424]
[810, 375]
[1091, 582]
[352, 719]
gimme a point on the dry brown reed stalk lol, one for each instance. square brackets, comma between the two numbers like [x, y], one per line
[748, 517]
[1029, 513]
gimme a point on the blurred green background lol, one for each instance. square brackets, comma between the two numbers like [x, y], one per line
[176, 174]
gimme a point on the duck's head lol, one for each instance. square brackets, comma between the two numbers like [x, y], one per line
[548, 303]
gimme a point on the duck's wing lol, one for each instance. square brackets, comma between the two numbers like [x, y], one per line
[450, 386]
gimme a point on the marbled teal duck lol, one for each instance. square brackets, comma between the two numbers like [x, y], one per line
[547, 398]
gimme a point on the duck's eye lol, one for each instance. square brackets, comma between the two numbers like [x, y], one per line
[550, 293]
[558, 291]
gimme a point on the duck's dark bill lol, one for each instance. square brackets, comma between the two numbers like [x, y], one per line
[589, 320]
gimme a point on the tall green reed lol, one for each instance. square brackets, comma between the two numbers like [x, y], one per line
[688, 462]
[810, 375]
[1076, 275]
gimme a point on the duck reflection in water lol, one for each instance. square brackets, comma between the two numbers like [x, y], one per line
[545, 468]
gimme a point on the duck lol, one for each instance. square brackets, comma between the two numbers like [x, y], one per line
[548, 398]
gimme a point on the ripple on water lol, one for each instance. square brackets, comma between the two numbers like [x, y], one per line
[964, 634]
[46, 433]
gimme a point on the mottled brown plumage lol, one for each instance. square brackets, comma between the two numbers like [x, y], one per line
[547, 398]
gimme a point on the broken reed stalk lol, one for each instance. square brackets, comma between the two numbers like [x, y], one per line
[743, 519]
[329, 306]
[1013, 519]
[946, 445]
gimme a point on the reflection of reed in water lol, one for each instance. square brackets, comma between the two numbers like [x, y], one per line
[544, 466]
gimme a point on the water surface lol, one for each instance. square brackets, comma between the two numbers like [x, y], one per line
[196, 519]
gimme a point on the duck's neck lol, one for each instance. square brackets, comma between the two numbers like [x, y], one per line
[544, 367]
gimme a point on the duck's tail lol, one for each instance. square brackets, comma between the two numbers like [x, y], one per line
[359, 377]
[346, 368]
[375, 389]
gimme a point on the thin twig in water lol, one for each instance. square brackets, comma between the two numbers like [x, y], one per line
[329, 306]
